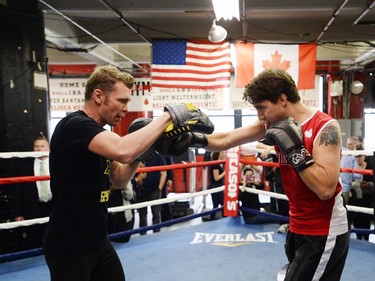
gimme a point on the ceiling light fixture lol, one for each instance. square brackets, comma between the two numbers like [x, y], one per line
[217, 33]
[226, 9]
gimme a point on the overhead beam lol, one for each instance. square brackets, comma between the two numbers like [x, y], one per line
[92, 35]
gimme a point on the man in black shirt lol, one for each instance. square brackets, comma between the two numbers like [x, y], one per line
[85, 160]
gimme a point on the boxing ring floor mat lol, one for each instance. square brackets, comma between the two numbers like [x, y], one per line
[224, 249]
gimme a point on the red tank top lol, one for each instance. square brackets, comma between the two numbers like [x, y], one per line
[308, 214]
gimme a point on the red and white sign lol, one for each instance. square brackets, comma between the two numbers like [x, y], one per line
[68, 94]
[232, 181]
[211, 99]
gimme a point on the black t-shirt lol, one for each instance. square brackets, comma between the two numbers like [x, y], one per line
[80, 188]
[152, 180]
[369, 166]
[215, 183]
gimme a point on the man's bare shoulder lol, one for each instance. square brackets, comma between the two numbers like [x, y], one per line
[330, 135]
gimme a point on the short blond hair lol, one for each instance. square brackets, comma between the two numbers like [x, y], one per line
[105, 77]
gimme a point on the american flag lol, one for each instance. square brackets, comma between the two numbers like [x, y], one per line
[193, 64]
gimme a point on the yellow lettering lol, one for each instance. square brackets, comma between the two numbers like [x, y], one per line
[104, 196]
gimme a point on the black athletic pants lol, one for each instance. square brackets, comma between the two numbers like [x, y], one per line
[102, 265]
[316, 257]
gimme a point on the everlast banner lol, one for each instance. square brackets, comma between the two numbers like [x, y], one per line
[232, 181]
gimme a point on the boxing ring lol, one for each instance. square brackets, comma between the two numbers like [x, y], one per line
[188, 248]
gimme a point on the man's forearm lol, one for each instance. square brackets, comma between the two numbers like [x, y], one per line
[121, 174]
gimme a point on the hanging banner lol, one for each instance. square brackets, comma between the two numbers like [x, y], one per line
[142, 98]
[298, 60]
[313, 98]
[232, 181]
[68, 94]
[204, 99]
[236, 97]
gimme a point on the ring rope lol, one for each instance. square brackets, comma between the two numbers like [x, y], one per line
[277, 165]
[39, 251]
[9, 225]
[12, 180]
[35, 154]
[246, 149]
[164, 224]
[265, 214]
[249, 149]
[350, 208]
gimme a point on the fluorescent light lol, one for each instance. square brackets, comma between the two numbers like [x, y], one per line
[226, 9]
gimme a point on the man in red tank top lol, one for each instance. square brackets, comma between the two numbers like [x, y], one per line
[308, 145]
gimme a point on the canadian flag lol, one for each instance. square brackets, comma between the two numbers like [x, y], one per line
[298, 60]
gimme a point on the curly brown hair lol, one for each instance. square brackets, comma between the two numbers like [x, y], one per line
[269, 85]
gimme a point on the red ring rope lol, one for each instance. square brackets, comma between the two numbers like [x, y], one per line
[11, 180]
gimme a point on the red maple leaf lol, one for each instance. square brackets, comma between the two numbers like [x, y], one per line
[276, 62]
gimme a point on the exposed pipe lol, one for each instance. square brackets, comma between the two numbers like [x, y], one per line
[120, 16]
[365, 11]
[244, 22]
[366, 57]
[335, 14]
[92, 35]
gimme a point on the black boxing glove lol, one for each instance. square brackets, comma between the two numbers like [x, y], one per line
[180, 144]
[136, 125]
[287, 135]
[187, 118]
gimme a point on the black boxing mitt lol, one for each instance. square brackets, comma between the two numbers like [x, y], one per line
[180, 144]
[187, 118]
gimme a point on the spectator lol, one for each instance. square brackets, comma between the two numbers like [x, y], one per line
[217, 174]
[33, 199]
[349, 161]
[253, 156]
[362, 191]
[251, 200]
[150, 189]
[273, 176]
[166, 209]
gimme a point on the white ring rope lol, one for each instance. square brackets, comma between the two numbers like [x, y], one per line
[9, 225]
[284, 197]
[26, 154]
